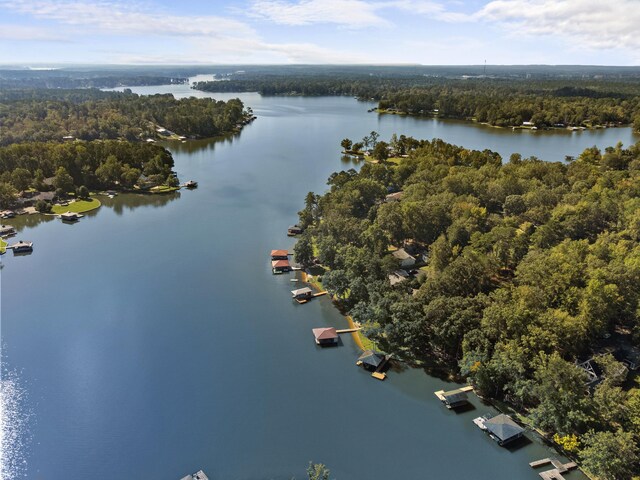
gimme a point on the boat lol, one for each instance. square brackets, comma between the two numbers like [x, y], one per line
[293, 280]
[191, 184]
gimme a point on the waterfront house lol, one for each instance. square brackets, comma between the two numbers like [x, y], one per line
[393, 197]
[279, 255]
[7, 230]
[405, 259]
[370, 360]
[326, 336]
[454, 398]
[280, 266]
[294, 230]
[397, 277]
[302, 293]
[22, 247]
[503, 429]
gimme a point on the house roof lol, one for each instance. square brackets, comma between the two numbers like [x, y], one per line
[279, 253]
[325, 333]
[503, 427]
[301, 291]
[401, 254]
[394, 196]
[370, 357]
[280, 263]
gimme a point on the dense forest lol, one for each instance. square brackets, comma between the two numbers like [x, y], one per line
[529, 268]
[497, 101]
[66, 167]
[43, 115]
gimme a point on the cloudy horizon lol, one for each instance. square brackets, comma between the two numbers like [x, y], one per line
[443, 32]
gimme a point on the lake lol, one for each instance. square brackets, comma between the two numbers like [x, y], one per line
[151, 340]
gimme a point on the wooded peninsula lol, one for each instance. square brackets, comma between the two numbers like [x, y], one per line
[66, 140]
[553, 102]
[524, 278]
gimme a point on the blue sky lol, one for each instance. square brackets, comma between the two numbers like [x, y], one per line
[602, 32]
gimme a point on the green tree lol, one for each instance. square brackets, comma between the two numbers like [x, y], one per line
[83, 192]
[610, 455]
[172, 181]
[303, 250]
[560, 392]
[63, 181]
[43, 206]
[21, 178]
[317, 471]
[381, 151]
[110, 171]
[346, 144]
[8, 194]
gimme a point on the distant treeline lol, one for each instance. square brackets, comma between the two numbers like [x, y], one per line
[499, 102]
[52, 79]
[43, 115]
[531, 268]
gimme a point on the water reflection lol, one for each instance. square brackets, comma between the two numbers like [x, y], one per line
[120, 203]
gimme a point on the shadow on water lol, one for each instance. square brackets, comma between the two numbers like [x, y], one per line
[516, 445]
[469, 407]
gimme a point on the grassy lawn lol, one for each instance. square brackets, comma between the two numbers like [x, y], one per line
[3, 246]
[390, 160]
[79, 206]
[164, 189]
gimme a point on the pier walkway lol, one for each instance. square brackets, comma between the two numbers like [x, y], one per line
[556, 472]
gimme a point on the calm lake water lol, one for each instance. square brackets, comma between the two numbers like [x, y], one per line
[151, 339]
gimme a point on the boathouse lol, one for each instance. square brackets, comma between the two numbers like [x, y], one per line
[294, 230]
[280, 266]
[503, 429]
[454, 398]
[370, 360]
[7, 230]
[70, 217]
[302, 293]
[279, 255]
[326, 336]
[22, 247]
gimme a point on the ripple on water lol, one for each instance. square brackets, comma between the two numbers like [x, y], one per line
[14, 431]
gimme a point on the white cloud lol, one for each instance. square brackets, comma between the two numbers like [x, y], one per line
[599, 24]
[27, 33]
[116, 17]
[349, 13]
[184, 38]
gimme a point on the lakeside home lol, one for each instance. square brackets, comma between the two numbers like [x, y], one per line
[370, 360]
[405, 259]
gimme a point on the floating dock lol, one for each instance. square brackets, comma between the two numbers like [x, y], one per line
[556, 472]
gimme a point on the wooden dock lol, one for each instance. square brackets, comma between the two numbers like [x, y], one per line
[319, 294]
[440, 393]
[348, 330]
[556, 472]
[379, 374]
